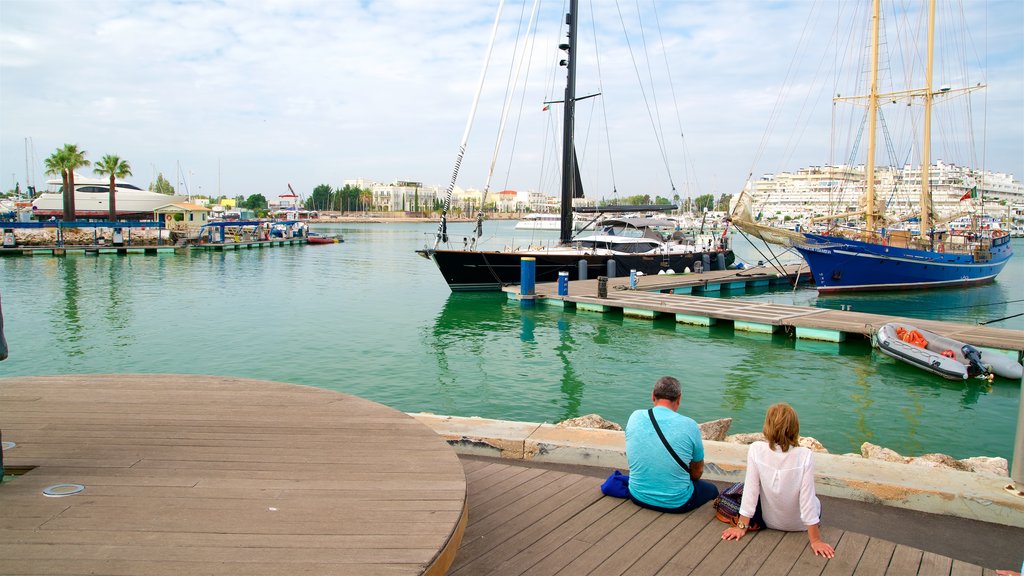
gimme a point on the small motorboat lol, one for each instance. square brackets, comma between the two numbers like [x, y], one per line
[316, 238]
[943, 356]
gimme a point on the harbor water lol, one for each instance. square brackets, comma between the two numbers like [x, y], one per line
[369, 317]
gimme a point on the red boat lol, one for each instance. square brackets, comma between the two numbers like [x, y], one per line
[315, 238]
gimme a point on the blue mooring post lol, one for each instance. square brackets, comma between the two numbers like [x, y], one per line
[563, 283]
[632, 279]
[527, 276]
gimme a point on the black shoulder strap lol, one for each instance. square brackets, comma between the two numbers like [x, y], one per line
[650, 412]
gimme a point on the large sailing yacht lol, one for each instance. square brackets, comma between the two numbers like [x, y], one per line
[639, 244]
[880, 256]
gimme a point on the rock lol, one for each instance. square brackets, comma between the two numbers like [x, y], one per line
[869, 450]
[748, 438]
[716, 429]
[986, 465]
[814, 445]
[589, 421]
[940, 461]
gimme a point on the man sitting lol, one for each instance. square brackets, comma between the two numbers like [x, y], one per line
[656, 479]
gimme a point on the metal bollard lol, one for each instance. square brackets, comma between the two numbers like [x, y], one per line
[610, 265]
[602, 286]
[582, 270]
[527, 276]
[563, 283]
[632, 279]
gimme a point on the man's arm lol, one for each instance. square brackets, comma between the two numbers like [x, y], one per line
[696, 469]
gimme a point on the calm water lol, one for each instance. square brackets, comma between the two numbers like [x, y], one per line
[369, 317]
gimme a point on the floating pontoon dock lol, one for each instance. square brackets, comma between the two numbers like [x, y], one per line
[678, 295]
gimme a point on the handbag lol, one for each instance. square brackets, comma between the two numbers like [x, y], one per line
[616, 485]
[727, 506]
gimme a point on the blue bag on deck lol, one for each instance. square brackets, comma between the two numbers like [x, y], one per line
[616, 485]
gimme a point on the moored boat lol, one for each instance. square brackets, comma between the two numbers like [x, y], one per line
[317, 238]
[890, 250]
[944, 356]
[470, 268]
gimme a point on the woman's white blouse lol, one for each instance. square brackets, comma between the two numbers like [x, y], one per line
[784, 482]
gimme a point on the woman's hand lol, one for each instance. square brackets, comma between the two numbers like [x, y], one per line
[733, 533]
[822, 549]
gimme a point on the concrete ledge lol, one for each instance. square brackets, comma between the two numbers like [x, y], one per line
[758, 327]
[820, 334]
[640, 313]
[949, 492]
[696, 320]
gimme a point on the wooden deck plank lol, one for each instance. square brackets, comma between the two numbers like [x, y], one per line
[905, 560]
[197, 474]
[679, 538]
[699, 547]
[933, 564]
[876, 558]
[849, 547]
[785, 554]
[626, 555]
[558, 527]
[616, 536]
[964, 569]
[498, 529]
[755, 553]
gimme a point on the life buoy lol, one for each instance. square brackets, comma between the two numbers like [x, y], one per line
[941, 248]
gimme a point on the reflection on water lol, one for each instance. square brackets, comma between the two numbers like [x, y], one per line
[69, 304]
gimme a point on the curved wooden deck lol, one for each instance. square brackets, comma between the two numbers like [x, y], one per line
[214, 475]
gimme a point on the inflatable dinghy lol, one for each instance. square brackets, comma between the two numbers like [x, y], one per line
[943, 356]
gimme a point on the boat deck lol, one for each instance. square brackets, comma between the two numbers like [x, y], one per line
[216, 475]
[674, 295]
[533, 521]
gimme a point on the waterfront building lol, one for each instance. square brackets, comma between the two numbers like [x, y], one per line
[823, 190]
[183, 217]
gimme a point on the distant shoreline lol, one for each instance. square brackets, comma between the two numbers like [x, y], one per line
[377, 219]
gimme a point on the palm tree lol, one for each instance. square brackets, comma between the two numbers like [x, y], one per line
[67, 160]
[116, 168]
[55, 164]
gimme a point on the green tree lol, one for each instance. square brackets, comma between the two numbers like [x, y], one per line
[55, 165]
[114, 167]
[65, 161]
[658, 200]
[255, 202]
[320, 199]
[161, 186]
[723, 203]
[704, 202]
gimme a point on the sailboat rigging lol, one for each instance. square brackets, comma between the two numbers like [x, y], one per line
[647, 245]
[878, 257]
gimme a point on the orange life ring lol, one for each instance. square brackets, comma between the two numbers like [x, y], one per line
[941, 248]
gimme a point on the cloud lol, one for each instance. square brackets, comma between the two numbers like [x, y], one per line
[248, 96]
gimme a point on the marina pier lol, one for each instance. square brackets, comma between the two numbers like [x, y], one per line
[681, 296]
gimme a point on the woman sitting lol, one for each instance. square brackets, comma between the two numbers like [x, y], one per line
[778, 492]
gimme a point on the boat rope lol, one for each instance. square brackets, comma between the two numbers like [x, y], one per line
[442, 228]
[1000, 319]
[655, 123]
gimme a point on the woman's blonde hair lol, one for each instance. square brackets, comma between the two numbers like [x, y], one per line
[781, 427]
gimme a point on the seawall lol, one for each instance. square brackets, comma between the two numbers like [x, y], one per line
[970, 495]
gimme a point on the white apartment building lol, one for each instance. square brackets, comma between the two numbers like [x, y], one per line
[822, 190]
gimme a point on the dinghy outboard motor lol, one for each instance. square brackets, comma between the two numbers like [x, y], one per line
[973, 356]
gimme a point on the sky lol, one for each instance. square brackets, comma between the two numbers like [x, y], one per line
[246, 97]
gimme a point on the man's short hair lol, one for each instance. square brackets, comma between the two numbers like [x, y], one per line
[667, 388]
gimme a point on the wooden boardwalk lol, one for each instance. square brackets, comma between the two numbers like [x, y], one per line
[659, 295]
[193, 474]
[533, 521]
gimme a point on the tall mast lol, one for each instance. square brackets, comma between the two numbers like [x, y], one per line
[926, 146]
[869, 169]
[568, 148]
